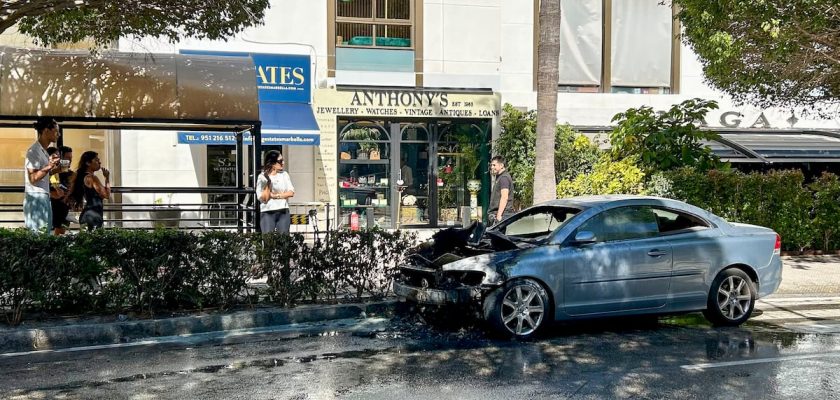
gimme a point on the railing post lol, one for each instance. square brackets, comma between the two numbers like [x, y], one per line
[256, 136]
[239, 180]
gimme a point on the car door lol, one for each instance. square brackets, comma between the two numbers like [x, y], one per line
[627, 268]
[695, 245]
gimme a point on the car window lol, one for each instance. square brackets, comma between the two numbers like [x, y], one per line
[672, 221]
[623, 223]
[538, 222]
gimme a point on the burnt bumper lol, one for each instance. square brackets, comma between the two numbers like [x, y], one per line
[420, 295]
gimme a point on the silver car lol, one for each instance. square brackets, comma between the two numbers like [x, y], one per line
[598, 256]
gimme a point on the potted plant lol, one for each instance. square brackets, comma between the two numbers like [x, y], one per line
[165, 216]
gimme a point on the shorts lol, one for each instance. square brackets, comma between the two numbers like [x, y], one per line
[37, 212]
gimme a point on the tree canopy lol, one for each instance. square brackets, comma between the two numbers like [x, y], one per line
[51, 22]
[668, 140]
[781, 53]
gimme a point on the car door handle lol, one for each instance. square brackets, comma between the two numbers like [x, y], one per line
[656, 253]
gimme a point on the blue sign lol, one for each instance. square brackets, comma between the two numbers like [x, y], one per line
[284, 139]
[280, 77]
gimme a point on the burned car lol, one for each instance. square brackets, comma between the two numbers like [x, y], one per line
[597, 256]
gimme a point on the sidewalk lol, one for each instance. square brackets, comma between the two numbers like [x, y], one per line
[810, 276]
[803, 276]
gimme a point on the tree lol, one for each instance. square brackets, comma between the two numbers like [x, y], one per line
[51, 22]
[574, 153]
[548, 74]
[666, 140]
[769, 52]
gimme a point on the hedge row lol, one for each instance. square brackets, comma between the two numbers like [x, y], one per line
[807, 216]
[115, 270]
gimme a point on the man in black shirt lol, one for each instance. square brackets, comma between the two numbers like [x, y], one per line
[501, 199]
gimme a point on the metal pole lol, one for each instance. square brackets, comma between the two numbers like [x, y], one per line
[239, 181]
[256, 136]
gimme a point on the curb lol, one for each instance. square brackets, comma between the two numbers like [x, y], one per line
[64, 336]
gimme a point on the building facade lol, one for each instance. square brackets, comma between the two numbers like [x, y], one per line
[402, 92]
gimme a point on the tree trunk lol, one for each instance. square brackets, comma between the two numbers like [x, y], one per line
[548, 74]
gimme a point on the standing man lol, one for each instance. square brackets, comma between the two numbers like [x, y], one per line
[37, 211]
[501, 199]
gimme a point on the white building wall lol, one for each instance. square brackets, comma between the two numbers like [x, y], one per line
[462, 43]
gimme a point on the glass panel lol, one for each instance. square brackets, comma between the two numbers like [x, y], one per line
[414, 173]
[459, 157]
[15, 143]
[354, 8]
[622, 224]
[393, 9]
[352, 34]
[363, 175]
[364, 190]
[393, 35]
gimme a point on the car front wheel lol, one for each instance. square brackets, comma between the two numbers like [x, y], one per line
[519, 308]
[731, 298]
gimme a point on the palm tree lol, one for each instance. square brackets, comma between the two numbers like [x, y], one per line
[548, 74]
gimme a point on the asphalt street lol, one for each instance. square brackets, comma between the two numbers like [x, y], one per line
[789, 349]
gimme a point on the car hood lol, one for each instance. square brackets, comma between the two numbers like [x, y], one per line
[470, 248]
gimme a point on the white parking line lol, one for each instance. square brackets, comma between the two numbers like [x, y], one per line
[700, 367]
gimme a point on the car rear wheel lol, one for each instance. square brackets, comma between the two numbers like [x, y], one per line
[519, 309]
[731, 298]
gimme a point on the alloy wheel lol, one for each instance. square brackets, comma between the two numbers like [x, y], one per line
[734, 298]
[522, 310]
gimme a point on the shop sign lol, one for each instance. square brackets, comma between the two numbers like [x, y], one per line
[285, 139]
[283, 78]
[414, 103]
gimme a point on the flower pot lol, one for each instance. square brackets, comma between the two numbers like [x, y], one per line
[166, 217]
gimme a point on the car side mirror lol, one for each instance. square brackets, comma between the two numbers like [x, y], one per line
[584, 237]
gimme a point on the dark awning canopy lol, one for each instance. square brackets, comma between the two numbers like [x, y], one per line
[766, 146]
[778, 146]
[140, 87]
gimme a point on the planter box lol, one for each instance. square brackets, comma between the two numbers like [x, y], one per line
[166, 217]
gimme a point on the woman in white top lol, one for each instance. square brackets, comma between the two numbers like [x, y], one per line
[274, 203]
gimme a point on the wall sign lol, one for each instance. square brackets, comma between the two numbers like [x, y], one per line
[286, 139]
[284, 78]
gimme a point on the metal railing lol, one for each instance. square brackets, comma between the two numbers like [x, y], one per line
[237, 213]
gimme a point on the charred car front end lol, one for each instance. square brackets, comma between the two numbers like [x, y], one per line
[457, 267]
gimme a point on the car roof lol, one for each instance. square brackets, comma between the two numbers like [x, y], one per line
[595, 201]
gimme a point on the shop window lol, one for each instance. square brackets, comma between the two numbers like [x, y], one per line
[374, 23]
[638, 61]
[364, 172]
[16, 142]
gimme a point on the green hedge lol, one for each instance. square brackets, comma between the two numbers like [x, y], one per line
[806, 216]
[114, 270]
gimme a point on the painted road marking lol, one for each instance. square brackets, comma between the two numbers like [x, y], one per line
[704, 366]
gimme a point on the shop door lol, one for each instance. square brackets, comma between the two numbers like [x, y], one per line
[460, 169]
[413, 175]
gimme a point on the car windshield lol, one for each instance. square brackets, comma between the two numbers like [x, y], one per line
[538, 223]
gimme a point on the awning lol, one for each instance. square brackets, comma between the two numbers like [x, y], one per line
[290, 124]
[285, 124]
[69, 84]
[779, 146]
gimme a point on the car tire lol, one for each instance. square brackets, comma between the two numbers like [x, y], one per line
[519, 309]
[731, 298]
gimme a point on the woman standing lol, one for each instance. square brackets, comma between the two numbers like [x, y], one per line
[274, 203]
[88, 187]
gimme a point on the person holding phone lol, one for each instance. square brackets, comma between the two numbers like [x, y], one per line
[38, 166]
[274, 189]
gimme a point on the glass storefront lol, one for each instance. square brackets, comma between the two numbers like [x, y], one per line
[395, 173]
[17, 140]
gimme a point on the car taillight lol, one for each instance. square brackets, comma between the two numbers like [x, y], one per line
[777, 249]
